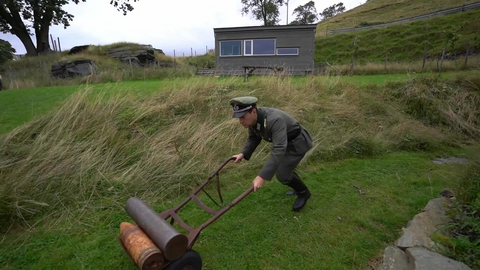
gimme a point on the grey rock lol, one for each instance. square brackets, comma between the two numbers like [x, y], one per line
[66, 69]
[165, 64]
[140, 54]
[417, 234]
[78, 49]
[159, 51]
[423, 259]
[395, 259]
[419, 229]
[437, 209]
[450, 160]
[447, 194]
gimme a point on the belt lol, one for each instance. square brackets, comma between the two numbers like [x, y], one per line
[295, 134]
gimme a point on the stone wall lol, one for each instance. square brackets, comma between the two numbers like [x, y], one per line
[415, 250]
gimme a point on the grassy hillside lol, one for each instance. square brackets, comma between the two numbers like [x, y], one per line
[404, 42]
[381, 11]
[66, 175]
[36, 71]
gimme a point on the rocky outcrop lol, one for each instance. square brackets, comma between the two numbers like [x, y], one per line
[138, 55]
[419, 229]
[78, 49]
[68, 69]
[159, 51]
[415, 250]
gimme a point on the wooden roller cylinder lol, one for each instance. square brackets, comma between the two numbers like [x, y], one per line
[140, 248]
[172, 243]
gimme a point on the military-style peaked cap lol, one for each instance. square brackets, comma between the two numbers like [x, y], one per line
[241, 105]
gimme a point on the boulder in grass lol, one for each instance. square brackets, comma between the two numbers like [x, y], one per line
[145, 54]
[78, 49]
[160, 51]
[74, 68]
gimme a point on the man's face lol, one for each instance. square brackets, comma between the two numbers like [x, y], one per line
[249, 119]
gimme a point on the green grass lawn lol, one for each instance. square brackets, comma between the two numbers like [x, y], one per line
[338, 229]
[358, 206]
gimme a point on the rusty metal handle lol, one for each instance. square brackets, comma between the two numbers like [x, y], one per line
[223, 165]
[226, 208]
[218, 178]
[215, 173]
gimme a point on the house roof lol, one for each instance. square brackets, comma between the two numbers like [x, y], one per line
[256, 28]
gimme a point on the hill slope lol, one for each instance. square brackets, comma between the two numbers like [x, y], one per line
[403, 42]
[380, 11]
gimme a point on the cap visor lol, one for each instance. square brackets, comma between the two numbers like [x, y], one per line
[239, 114]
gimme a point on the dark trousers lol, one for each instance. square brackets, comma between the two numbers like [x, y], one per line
[296, 150]
[286, 169]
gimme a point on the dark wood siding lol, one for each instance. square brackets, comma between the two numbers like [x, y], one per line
[304, 39]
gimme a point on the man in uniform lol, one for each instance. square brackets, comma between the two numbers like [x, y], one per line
[290, 144]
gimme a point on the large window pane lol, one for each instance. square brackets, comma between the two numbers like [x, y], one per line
[248, 47]
[231, 47]
[287, 51]
[264, 46]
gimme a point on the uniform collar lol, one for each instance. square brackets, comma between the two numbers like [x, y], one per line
[260, 119]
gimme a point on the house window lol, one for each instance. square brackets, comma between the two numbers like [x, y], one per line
[287, 51]
[259, 47]
[264, 47]
[231, 48]
[248, 47]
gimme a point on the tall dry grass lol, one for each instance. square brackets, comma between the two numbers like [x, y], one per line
[104, 148]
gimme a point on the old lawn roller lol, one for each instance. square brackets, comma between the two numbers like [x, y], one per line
[153, 243]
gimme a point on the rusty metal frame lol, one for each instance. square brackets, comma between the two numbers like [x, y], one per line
[193, 233]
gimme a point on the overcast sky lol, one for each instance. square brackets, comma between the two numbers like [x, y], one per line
[168, 25]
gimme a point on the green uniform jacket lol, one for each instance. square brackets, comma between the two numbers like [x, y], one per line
[281, 129]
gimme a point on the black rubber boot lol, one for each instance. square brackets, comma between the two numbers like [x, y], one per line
[292, 192]
[301, 190]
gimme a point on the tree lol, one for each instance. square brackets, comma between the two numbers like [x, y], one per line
[332, 11]
[19, 17]
[266, 10]
[6, 51]
[305, 14]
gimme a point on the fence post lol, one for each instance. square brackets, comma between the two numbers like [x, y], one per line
[466, 55]
[424, 55]
[59, 47]
[53, 44]
[131, 67]
[355, 48]
[174, 61]
[386, 58]
[441, 61]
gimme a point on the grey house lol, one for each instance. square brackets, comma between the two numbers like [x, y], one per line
[281, 47]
